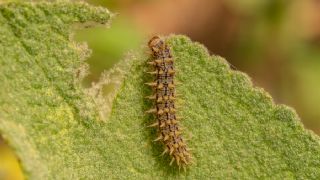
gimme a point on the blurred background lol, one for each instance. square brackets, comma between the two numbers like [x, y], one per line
[276, 42]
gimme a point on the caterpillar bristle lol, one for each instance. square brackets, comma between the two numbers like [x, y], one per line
[158, 138]
[166, 150]
[152, 84]
[160, 86]
[154, 124]
[178, 160]
[166, 137]
[158, 61]
[151, 97]
[151, 63]
[171, 150]
[151, 111]
[153, 72]
[160, 112]
[172, 160]
[168, 60]
[171, 72]
[162, 125]
[160, 99]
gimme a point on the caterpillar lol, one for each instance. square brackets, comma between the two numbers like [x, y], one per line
[164, 98]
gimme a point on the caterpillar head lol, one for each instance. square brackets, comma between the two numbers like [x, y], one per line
[156, 44]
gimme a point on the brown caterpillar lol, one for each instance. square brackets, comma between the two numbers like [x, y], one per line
[164, 98]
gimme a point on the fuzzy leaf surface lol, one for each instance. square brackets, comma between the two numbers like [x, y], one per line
[58, 130]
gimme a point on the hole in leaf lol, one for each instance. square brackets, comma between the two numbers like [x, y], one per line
[108, 45]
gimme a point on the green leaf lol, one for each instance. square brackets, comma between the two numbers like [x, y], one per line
[45, 114]
[59, 130]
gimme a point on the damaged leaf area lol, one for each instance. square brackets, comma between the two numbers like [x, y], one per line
[45, 114]
[60, 130]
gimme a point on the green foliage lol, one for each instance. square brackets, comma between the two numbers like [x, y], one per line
[60, 130]
[44, 111]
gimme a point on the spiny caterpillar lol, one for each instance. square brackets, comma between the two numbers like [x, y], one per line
[164, 98]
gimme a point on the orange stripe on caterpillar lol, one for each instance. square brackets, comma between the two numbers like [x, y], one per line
[164, 97]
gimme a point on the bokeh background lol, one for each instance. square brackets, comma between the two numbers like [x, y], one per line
[276, 42]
